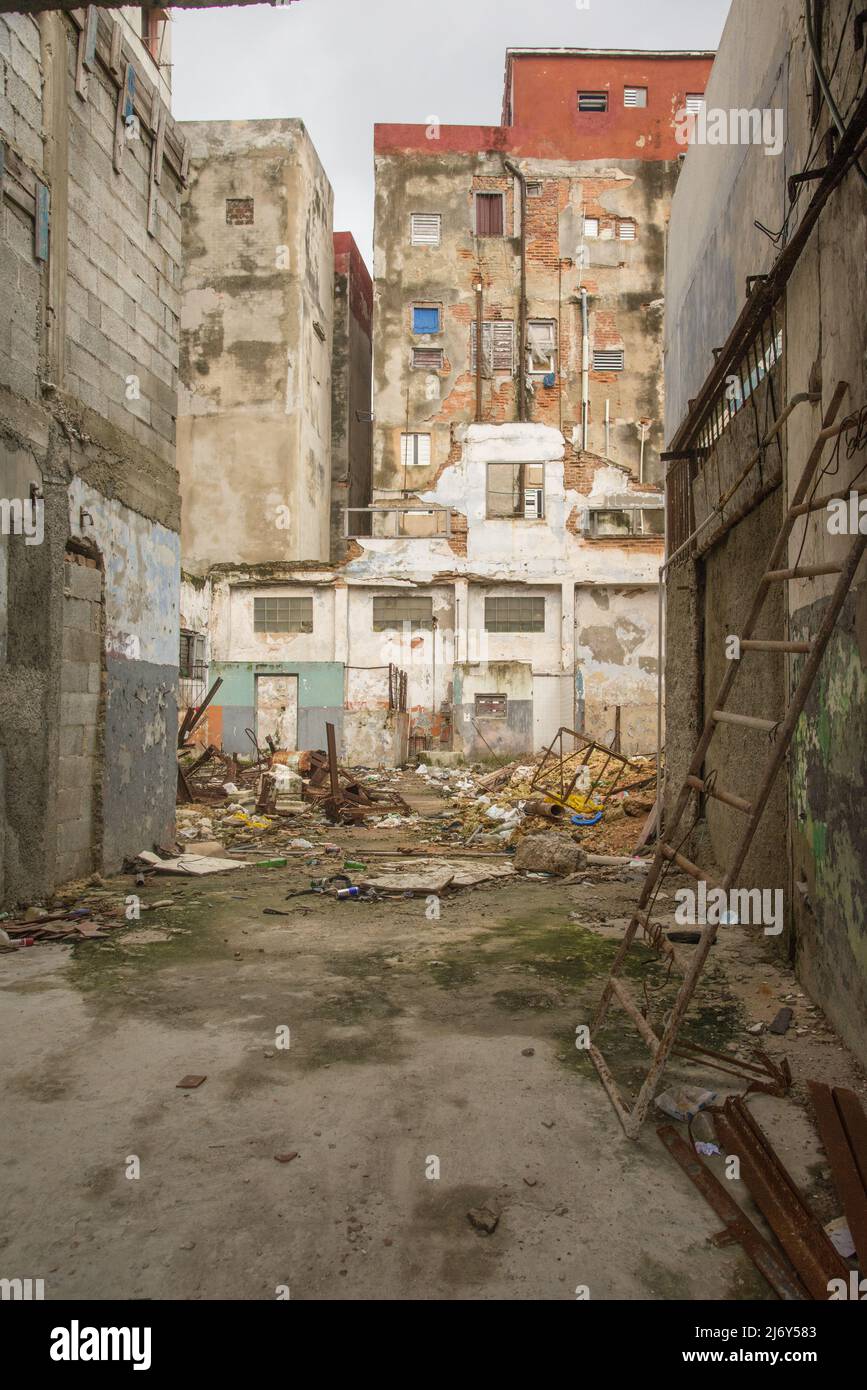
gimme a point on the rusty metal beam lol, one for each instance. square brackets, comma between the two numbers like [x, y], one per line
[779, 1199]
[769, 1262]
[839, 1117]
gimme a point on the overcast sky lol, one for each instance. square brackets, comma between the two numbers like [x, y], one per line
[342, 65]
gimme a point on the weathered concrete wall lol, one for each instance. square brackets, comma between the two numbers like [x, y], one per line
[478, 736]
[764, 62]
[87, 389]
[255, 409]
[732, 570]
[351, 427]
[617, 663]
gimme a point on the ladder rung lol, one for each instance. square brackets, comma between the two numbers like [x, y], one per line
[688, 867]
[728, 798]
[627, 1003]
[802, 572]
[749, 644]
[749, 721]
[818, 504]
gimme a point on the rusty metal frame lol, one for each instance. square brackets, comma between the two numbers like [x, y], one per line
[557, 773]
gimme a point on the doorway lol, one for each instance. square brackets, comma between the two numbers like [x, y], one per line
[277, 711]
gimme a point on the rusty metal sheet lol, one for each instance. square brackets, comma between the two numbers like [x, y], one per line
[738, 1226]
[779, 1199]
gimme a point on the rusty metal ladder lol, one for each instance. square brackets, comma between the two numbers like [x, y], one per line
[666, 854]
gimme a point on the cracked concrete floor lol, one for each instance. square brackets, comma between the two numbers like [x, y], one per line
[407, 1044]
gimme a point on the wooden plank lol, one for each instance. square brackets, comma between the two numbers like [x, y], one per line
[86, 54]
[41, 222]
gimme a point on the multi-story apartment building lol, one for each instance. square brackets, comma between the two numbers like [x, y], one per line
[507, 559]
[91, 168]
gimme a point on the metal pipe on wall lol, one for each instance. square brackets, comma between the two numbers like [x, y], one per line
[522, 307]
[585, 367]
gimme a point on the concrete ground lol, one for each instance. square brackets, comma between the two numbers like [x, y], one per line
[417, 1047]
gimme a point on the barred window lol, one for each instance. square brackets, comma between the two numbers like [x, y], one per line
[283, 614]
[514, 613]
[395, 610]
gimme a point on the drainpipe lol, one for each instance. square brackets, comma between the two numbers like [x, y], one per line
[478, 350]
[522, 308]
[585, 367]
[607, 428]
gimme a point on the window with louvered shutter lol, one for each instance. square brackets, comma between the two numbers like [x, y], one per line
[498, 345]
[626, 228]
[591, 227]
[694, 102]
[415, 450]
[592, 101]
[489, 214]
[634, 96]
[428, 359]
[425, 228]
[608, 360]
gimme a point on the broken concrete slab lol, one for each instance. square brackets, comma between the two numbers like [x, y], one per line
[553, 852]
[190, 865]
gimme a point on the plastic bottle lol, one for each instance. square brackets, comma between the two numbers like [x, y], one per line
[271, 863]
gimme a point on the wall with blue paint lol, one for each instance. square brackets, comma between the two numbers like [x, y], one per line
[320, 699]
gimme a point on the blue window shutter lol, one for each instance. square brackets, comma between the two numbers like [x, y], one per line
[129, 97]
[40, 226]
[425, 320]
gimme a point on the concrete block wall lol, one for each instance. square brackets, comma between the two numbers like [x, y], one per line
[76, 805]
[75, 330]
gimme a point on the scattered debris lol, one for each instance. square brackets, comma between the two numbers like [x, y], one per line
[286, 1158]
[782, 1022]
[190, 1082]
[683, 1102]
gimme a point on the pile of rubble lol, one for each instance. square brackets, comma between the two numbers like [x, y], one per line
[499, 808]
